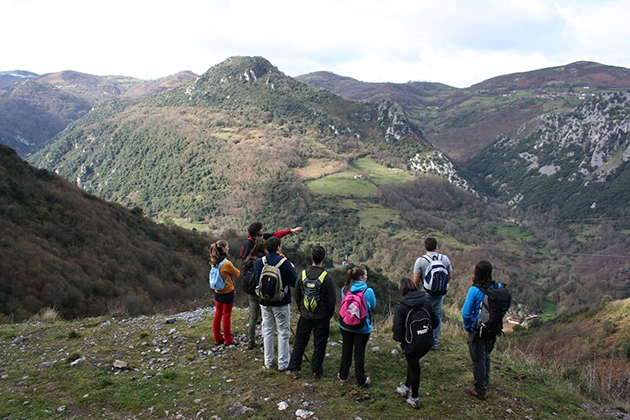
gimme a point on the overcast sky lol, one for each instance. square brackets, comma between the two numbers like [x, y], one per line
[456, 42]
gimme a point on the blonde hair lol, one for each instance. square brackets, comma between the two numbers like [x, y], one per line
[353, 275]
[216, 250]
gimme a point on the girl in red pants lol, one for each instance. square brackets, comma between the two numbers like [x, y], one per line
[224, 298]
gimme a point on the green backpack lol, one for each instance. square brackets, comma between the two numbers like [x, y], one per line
[312, 291]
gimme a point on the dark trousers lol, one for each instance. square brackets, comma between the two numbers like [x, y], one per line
[320, 329]
[358, 343]
[413, 370]
[480, 350]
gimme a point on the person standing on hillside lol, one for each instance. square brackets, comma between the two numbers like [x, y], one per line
[414, 348]
[276, 316]
[249, 286]
[315, 300]
[425, 267]
[355, 340]
[256, 230]
[224, 298]
[478, 347]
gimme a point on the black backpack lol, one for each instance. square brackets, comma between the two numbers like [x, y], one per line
[247, 276]
[418, 330]
[312, 291]
[496, 302]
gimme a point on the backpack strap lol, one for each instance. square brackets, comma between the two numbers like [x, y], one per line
[281, 262]
[320, 278]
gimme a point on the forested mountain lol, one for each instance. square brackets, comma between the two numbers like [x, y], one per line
[66, 249]
[33, 108]
[244, 142]
[210, 149]
[461, 122]
[577, 162]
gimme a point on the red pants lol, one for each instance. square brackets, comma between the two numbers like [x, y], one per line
[222, 317]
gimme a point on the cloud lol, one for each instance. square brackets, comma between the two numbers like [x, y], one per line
[457, 42]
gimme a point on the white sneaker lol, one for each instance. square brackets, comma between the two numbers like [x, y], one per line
[414, 402]
[403, 390]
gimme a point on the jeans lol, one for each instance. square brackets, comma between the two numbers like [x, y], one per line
[321, 329]
[276, 318]
[358, 343]
[254, 313]
[436, 302]
[222, 318]
[480, 350]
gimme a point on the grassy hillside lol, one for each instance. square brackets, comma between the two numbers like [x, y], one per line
[167, 367]
[594, 344]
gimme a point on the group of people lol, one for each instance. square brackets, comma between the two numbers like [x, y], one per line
[316, 301]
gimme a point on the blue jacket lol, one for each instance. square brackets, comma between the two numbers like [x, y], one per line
[472, 307]
[370, 301]
[287, 271]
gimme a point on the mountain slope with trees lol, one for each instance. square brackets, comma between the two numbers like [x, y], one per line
[33, 108]
[66, 249]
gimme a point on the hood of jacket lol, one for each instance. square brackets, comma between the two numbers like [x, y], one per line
[357, 286]
[414, 298]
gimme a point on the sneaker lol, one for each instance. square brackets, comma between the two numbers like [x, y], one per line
[317, 375]
[403, 390]
[295, 374]
[341, 380]
[414, 402]
[367, 382]
[473, 393]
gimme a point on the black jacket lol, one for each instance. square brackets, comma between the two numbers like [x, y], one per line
[328, 295]
[413, 299]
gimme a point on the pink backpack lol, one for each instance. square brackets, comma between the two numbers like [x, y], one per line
[353, 310]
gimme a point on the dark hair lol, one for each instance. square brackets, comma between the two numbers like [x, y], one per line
[272, 244]
[353, 275]
[319, 253]
[254, 228]
[406, 285]
[483, 274]
[216, 250]
[430, 244]
[257, 249]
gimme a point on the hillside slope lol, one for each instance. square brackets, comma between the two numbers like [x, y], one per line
[593, 343]
[167, 367]
[66, 249]
[168, 154]
[461, 122]
[578, 162]
[34, 109]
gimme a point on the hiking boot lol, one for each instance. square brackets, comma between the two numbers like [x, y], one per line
[295, 374]
[341, 380]
[403, 390]
[317, 375]
[251, 345]
[414, 402]
[473, 393]
[367, 382]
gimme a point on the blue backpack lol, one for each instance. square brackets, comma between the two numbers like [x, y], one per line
[217, 283]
